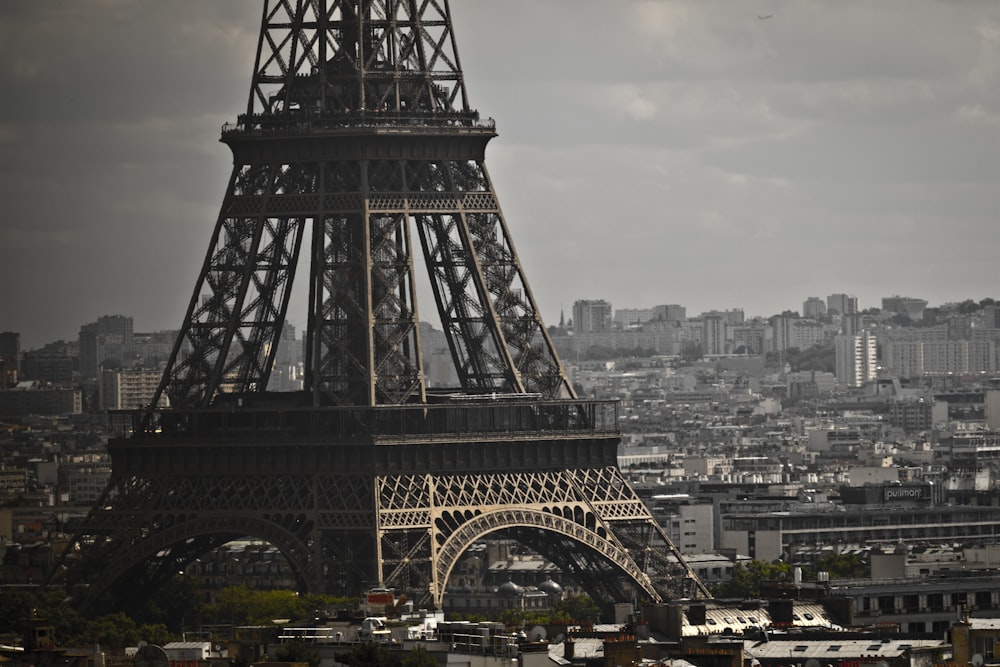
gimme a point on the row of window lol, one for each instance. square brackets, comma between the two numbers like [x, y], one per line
[930, 602]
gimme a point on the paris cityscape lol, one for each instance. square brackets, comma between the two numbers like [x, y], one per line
[860, 439]
[302, 467]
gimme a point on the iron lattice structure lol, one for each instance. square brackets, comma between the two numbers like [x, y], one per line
[358, 133]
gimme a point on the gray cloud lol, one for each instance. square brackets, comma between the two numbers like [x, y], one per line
[650, 152]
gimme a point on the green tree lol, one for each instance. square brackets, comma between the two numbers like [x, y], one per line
[156, 633]
[18, 606]
[968, 306]
[297, 651]
[177, 605]
[115, 631]
[816, 358]
[238, 605]
[746, 580]
[579, 608]
[599, 353]
[231, 606]
[371, 654]
[691, 351]
[418, 657]
[901, 320]
[839, 566]
[15, 607]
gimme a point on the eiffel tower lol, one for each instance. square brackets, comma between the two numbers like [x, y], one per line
[358, 132]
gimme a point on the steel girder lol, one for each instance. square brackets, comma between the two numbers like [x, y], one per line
[587, 521]
[342, 532]
[495, 332]
[363, 344]
[358, 126]
[358, 131]
[228, 340]
[377, 55]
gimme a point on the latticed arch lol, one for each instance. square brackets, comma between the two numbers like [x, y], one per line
[597, 540]
[166, 551]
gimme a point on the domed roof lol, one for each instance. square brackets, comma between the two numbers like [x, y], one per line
[550, 587]
[510, 589]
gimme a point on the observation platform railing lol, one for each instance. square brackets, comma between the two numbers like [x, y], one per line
[304, 123]
[424, 422]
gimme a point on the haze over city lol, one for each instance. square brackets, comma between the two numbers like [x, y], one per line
[648, 152]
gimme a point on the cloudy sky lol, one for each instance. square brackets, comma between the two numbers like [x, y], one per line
[649, 152]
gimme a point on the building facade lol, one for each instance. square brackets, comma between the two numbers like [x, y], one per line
[856, 358]
[591, 316]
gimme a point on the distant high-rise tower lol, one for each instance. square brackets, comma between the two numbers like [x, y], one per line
[852, 324]
[713, 333]
[118, 328]
[670, 313]
[813, 307]
[591, 316]
[856, 359]
[991, 317]
[842, 304]
[905, 305]
[10, 358]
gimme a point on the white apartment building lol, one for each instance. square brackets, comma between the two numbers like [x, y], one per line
[627, 317]
[913, 352]
[707, 467]
[984, 356]
[749, 336]
[84, 482]
[903, 358]
[130, 388]
[794, 332]
[856, 358]
[688, 522]
[713, 333]
[944, 356]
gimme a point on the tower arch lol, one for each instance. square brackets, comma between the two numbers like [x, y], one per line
[601, 543]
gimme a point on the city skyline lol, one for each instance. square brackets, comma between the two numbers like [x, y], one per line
[657, 152]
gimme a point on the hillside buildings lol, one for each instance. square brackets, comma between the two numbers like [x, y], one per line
[737, 453]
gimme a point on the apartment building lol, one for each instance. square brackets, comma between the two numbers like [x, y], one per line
[856, 358]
